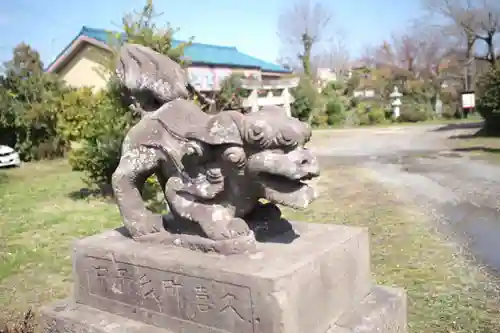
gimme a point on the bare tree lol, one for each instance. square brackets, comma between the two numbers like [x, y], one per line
[459, 22]
[486, 27]
[334, 55]
[439, 59]
[468, 21]
[420, 53]
[368, 56]
[304, 25]
[401, 52]
[400, 55]
[337, 55]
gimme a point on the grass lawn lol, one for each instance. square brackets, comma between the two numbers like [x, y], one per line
[39, 219]
[477, 145]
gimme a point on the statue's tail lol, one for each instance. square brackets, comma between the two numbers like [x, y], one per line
[149, 79]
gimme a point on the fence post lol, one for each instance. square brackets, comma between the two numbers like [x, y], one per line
[254, 102]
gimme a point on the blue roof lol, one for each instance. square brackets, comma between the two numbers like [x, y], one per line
[199, 53]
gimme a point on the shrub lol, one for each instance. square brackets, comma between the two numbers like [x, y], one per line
[307, 100]
[488, 100]
[376, 116]
[450, 112]
[370, 113]
[413, 113]
[28, 106]
[335, 113]
[98, 159]
[77, 109]
[100, 135]
[363, 119]
[231, 94]
[28, 119]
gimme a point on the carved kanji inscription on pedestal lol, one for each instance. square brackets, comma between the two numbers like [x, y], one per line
[207, 302]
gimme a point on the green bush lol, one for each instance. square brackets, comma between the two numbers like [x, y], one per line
[335, 113]
[28, 116]
[231, 94]
[98, 159]
[376, 116]
[449, 112]
[100, 129]
[100, 135]
[333, 89]
[307, 102]
[77, 109]
[370, 113]
[414, 113]
[363, 119]
[29, 106]
[488, 100]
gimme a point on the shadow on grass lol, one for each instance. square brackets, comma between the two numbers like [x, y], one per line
[4, 178]
[153, 203]
[481, 133]
[451, 127]
[105, 192]
[83, 193]
[478, 149]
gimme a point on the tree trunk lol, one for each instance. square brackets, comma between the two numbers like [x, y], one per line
[491, 50]
[469, 77]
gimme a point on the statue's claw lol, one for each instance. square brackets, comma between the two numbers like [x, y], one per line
[236, 227]
[161, 237]
[148, 225]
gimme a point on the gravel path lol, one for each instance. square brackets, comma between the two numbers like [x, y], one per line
[460, 193]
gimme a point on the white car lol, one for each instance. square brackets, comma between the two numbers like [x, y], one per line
[9, 157]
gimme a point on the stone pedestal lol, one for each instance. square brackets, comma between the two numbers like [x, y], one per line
[314, 281]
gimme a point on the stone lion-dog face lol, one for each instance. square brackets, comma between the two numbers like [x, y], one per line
[273, 156]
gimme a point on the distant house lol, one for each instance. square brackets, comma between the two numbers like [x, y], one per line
[366, 77]
[80, 63]
[324, 76]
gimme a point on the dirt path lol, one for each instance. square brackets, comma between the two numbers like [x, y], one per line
[461, 193]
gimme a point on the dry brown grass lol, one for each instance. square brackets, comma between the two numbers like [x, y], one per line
[25, 324]
[446, 293]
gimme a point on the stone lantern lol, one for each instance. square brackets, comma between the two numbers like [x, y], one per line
[396, 102]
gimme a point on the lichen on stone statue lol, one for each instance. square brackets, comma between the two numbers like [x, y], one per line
[213, 169]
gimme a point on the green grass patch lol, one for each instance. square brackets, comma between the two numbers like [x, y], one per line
[39, 219]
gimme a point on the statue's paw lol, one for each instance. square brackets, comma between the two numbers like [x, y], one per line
[150, 224]
[161, 237]
[236, 227]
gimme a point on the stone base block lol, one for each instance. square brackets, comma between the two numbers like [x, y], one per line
[382, 311]
[295, 283]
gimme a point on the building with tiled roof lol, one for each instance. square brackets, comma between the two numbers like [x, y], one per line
[80, 62]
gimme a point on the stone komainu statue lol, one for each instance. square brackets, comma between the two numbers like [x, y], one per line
[213, 169]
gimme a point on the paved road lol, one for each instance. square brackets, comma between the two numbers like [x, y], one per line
[461, 193]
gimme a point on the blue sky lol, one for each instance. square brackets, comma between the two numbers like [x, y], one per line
[250, 25]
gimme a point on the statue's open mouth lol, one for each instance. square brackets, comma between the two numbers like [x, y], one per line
[279, 189]
[282, 183]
